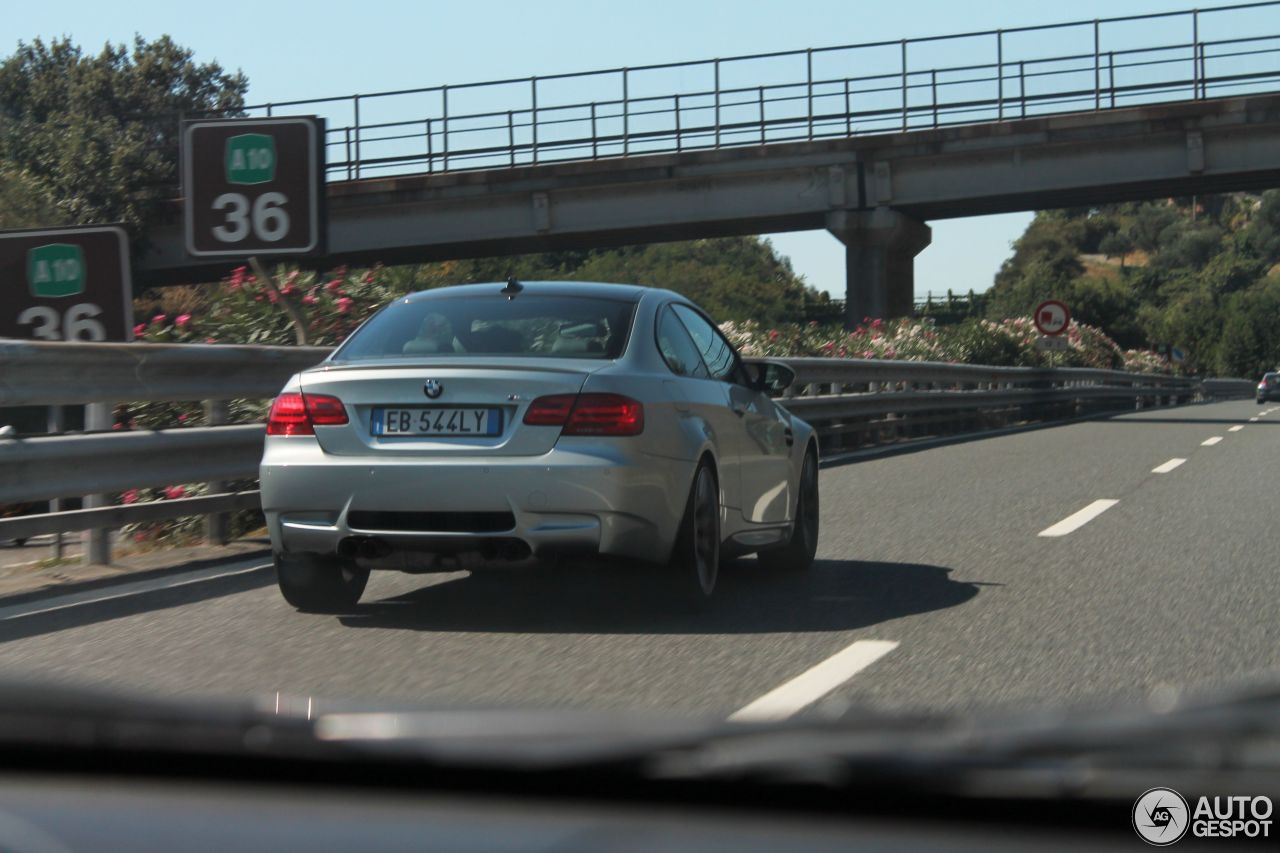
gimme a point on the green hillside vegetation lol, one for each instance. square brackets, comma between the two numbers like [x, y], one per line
[1197, 274]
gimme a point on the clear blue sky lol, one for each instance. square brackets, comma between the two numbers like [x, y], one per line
[304, 50]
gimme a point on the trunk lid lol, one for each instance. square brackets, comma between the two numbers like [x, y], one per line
[381, 396]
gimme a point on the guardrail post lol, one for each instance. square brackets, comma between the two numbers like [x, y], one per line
[216, 524]
[355, 106]
[533, 117]
[511, 139]
[761, 115]
[1000, 75]
[1195, 55]
[1097, 67]
[595, 137]
[97, 551]
[626, 113]
[678, 145]
[905, 113]
[717, 88]
[430, 156]
[444, 126]
[55, 424]
[808, 57]
[1022, 86]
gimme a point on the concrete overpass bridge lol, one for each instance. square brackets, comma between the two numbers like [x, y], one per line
[1071, 114]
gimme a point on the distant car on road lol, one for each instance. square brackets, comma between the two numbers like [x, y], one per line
[536, 419]
[1269, 388]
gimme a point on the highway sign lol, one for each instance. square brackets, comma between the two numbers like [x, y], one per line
[1051, 317]
[253, 186]
[66, 284]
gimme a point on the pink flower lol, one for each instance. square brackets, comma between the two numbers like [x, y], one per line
[182, 418]
[288, 290]
[333, 285]
[272, 298]
[344, 305]
[210, 340]
[308, 300]
[182, 321]
[174, 492]
[139, 330]
[130, 496]
[158, 319]
[341, 272]
[773, 334]
[140, 537]
[117, 426]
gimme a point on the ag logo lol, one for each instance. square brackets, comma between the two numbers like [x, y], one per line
[1161, 816]
[433, 388]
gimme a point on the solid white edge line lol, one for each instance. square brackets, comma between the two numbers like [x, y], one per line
[811, 685]
[1211, 441]
[1235, 428]
[1167, 466]
[16, 611]
[1253, 420]
[1079, 519]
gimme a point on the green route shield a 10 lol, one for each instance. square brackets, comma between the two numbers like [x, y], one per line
[54, 270]
[251, 159]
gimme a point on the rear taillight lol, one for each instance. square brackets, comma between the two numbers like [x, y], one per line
[587, 414]
[297, 414]
[550, 411]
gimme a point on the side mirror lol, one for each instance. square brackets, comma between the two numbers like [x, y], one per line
[771, 377]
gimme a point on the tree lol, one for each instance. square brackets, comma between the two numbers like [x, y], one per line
[1116, 245]
[24, 201]
[96, 136]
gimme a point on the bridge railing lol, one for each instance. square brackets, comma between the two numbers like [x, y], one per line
[851, 402]
[837, 91]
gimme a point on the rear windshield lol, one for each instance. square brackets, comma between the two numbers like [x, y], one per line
[528, 326]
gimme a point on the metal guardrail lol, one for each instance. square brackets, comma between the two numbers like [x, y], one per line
[38, 373]
[1228, 388]
[837, 395]
[838, 91]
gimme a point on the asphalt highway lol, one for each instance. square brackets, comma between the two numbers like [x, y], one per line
[1066, 565]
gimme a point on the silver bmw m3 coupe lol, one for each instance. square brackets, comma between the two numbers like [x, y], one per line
[490, 422]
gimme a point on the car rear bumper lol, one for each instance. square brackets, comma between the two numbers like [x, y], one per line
[592, 498]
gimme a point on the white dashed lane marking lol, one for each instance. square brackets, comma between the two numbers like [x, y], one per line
[1210, 442]
[810, 686]
[1079, 519]
[1168, 466]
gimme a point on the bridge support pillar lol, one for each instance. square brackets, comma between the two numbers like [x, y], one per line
[880, 247]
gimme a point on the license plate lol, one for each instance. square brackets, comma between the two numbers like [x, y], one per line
[436, 421]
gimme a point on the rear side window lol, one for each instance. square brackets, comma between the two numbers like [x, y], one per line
[716, 352]
[529, 326]
[677, 348]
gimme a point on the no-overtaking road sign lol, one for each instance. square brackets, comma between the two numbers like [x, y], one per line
[253, 186]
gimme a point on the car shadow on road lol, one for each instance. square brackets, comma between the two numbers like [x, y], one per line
[834, 595]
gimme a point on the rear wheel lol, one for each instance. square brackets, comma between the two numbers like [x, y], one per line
[798, 553]
[316, 584]
[695, 560]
